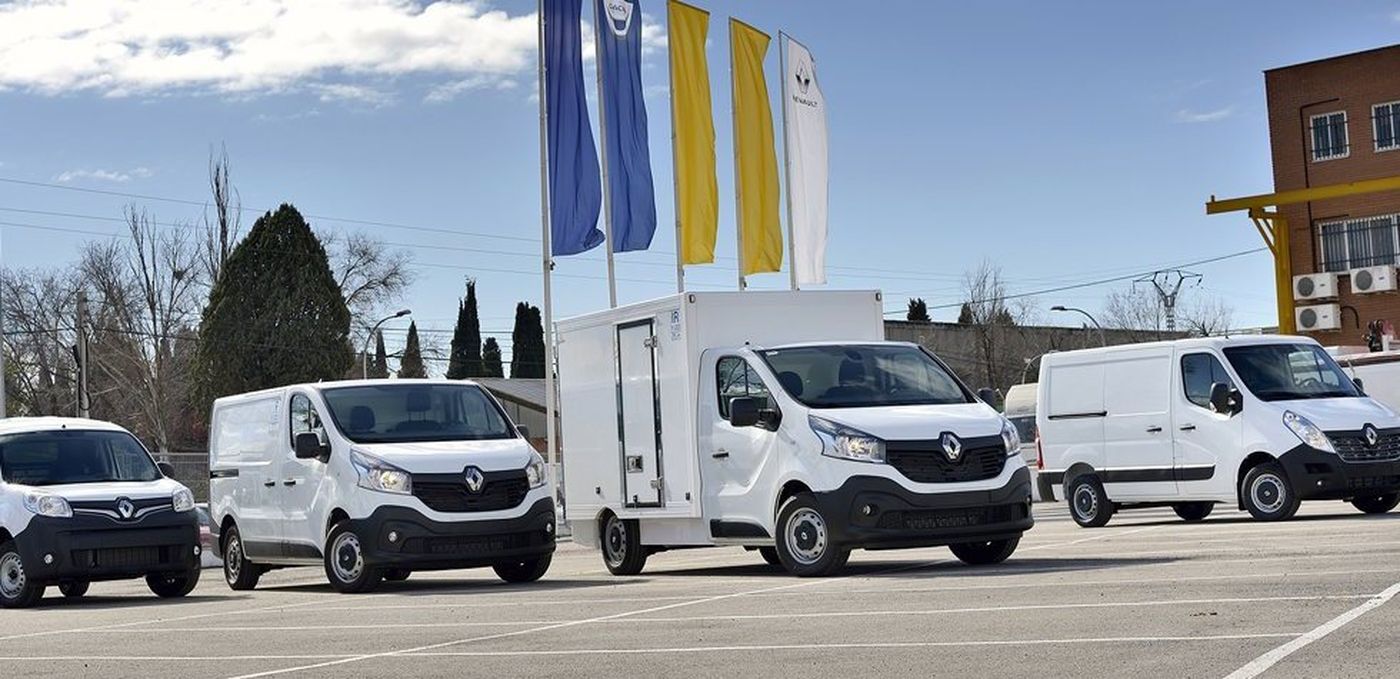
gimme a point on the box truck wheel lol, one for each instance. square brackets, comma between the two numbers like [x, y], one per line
[985, 553]
[1088, 503]
[622, 546]
[397, 574]
[345, 562]
[16, 590]
[804, 539]
[1378, 504]
[240, 573]
[523, 571]
[73, 589]
[770, 556]
[173, 585]
[1267, 494]
[1193, 511]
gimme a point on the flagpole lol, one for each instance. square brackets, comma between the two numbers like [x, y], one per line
[675, 161]
[547, 264]
[734, 141]
[603, 144]
[787, 156]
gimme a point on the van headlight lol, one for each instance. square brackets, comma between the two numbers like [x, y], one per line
[1308, 432]
[1010, 437]
[43, 504]
[846, 443]
[183, 500]
[376, 474]
[536, 471]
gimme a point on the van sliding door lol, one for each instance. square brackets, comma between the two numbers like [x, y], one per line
[639, 415]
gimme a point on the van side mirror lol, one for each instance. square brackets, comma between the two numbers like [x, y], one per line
[989, 396]
[1360, 386]
[524, 431]
[1224, 399]
[166, 469]
[743, 412]
[309, 447]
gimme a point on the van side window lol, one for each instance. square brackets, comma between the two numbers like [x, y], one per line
[304, 417]
[1198, 373]
[737, 379]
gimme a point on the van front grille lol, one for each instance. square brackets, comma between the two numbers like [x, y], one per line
[1352, 446]
[449, 492]
[122, 557]
[925, 462]
[936, 519]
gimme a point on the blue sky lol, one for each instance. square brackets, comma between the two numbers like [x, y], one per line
[1065, 141]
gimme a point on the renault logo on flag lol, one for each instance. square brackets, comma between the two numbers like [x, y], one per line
[125, 509]
[475, 480]
[804, 77]
[619, 16]
[952, 447]
[1373, 437]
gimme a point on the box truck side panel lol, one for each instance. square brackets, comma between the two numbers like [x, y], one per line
[639, 413]
[588, 419]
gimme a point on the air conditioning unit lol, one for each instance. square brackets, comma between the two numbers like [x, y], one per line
[1373, 279]
[1315, 286]
[1319, 317]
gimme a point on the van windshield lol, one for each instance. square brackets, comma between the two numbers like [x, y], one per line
[52, 458]
[1284, 372]
[864, 376]
[406, 413]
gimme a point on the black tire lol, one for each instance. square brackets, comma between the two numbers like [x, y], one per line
[74, 589]
[397, 574]
[804, 544]
[622, 546]
[173, 585]
[1267, 493]
[346, 568]
[985, 553]
[770, 556]
[1378, 504]
[520, 572]
[1089, 505]
[1193, 511]
[16, 590]
[240, 574]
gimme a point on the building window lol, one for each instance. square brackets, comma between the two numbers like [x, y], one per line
[1357, 243]
[1329, 135]
[1385, 119]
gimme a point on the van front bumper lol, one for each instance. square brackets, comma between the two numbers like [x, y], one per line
[873, 512]
[1319, 475]
[92, 549]
[404, 538]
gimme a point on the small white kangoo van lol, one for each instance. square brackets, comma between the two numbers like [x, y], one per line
[1258, 422]
[375, 479]
[82, 501]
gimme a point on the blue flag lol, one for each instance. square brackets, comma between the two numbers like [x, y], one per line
[632, 198]
[575, 183]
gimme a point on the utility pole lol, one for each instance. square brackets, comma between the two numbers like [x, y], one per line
[1168, 284]
[84, 401]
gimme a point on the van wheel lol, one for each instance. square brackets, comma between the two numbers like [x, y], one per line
[1379, 504]
[1193, 511]
[520, 572]
[345, 562]
[1267, 494]
[173, 585]
[240, 573]
[622, 546]
[16, 590]
[397, 574]
[804, 539]
[1088, 503]
[770, 556]
[985, 553]
[74, 589]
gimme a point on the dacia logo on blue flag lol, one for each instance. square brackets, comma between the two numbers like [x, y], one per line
[620, 16]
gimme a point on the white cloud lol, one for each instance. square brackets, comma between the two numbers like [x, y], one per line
[1188, 116]
[440, 94]
[117, 176]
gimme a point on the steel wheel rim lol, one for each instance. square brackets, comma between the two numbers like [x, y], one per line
[12, 579]
[233, 559]
[806, 536]
[347, 560]
[615, 541]
[1262, 487]
[1086, 502]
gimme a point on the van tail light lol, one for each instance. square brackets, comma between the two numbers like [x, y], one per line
[1039, 453]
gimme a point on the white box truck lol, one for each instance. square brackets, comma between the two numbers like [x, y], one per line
[778, 421]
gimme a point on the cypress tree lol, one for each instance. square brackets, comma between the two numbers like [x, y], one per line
[466, 339]
[491, 359]
[411, 365]
[527, 357]
[918, 311]
[379, 365]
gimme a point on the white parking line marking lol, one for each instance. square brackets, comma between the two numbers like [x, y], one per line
[1264, 662]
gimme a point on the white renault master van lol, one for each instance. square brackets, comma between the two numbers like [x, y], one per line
[1258, 422]
[375, 479]
[82, 501]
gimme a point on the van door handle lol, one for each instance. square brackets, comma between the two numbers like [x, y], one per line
[269, 483]
[1188, 427]
[289, 482]
[1154, 430]
[720, 454]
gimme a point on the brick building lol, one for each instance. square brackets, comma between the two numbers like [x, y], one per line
[1335, 121]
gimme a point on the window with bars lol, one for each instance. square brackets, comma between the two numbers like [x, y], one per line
[1329, 136]
[1357, 243]
[1385, 120]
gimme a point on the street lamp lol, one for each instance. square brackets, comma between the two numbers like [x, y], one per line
[1102, 340]
[365, 354]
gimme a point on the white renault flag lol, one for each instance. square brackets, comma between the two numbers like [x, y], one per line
[804, 111]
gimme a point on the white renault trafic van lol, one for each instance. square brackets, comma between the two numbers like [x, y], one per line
[82, 501]
[375, 479]
[1258, 422]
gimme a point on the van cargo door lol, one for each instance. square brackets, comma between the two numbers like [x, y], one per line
[639, 415]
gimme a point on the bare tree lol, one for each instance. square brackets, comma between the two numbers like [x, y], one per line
[221, 233]
[1138, 311]
[1207, 316]
[988, 311]
[39, 364]
[371, 276]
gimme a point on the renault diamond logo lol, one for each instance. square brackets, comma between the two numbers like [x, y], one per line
[952, 446]
[125, 509]
[803, 77]
[1373, 437]
[475, 480]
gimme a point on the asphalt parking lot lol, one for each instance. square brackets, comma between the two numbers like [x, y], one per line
[1146, 596]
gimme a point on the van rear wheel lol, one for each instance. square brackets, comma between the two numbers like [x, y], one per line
[770, 556]
[16, 589]
[1267, 493]
[985, 553]
[346, 567]
[240, 573]
[622, 546]
[73, 589]
[1088, 503]
[1378, 504]
[173, 585]
[804, 544]
[1193, 511]
[521, 572]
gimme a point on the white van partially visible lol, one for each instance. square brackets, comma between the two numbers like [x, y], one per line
[82, 501]
[1258, 422]
[376, 479]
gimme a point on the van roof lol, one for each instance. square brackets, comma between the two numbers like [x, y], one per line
[1194, 343]
[334, 384]
[26, 425]
[830, 343]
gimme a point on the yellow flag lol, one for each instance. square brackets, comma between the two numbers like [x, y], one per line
[755, 157]
[693, 125]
